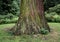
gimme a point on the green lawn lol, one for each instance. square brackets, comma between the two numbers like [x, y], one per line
[6, 25]
[55, 26]
[51, 37]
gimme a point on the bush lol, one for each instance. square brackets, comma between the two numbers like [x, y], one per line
[5, 21]
[9, 16]
[43, 31]
[49, 16]
[57, 18]
[55, 9]
[53, 13]
[52, 17]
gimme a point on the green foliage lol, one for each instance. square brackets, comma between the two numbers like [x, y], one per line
[10, 6]
[50, 3]
[9, 9]
[53, 18]
[5, 21]
[49, 16]
[53, 14]
[44, 31]
[57, 18]
[55, 9]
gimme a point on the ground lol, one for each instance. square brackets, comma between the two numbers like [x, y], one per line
[54, 36]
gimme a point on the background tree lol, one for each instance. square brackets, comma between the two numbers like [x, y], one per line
[50, 3]
[9, 9]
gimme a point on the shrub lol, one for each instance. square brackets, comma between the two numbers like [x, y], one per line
[57, 18]
[53, 13]
[52, 17]
[49, 16]
[9, 16]
[55, 9]
[43, 31]
[5, 21]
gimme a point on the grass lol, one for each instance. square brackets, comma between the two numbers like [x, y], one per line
[55, 26]
[51, 37]
[6, 25]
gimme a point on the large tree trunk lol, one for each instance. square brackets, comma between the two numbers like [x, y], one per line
[31, 18]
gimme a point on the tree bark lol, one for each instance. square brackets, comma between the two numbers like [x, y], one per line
[31, 18]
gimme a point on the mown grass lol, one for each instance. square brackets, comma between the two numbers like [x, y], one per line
[51, 37]
[55, 26]
[6, 25]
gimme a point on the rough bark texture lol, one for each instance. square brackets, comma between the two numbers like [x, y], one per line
[31, 18]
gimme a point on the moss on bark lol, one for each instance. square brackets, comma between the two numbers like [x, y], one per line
[31, 18]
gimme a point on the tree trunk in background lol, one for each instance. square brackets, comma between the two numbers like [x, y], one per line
[31, 18]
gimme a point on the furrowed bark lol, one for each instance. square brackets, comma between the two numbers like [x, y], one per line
[31, 18]
[40, 8]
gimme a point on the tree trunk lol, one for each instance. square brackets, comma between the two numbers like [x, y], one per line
[31, 18]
